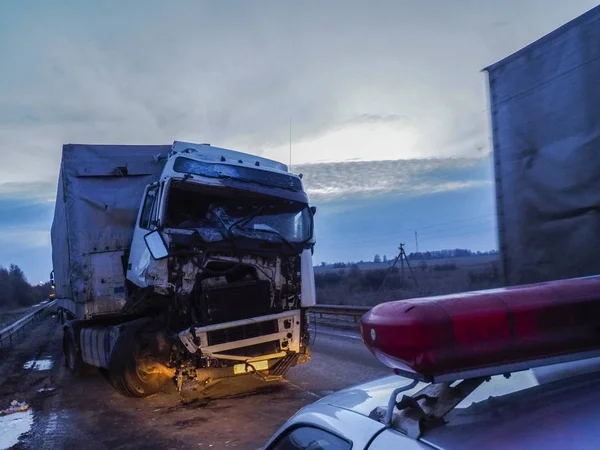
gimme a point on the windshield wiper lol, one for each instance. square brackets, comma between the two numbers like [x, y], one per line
[276, 233]
[244, 220]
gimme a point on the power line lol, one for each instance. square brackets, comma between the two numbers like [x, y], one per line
[428, 235]
[456, 221]
[461, 234]
[398, 231]
[459, 227]
[364, 244]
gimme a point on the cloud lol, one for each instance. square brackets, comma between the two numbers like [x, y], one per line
[394, 80]
[406, 178]
[26, 239]
[358, 81]
[24, 224]
[28, 191]
[25, 218]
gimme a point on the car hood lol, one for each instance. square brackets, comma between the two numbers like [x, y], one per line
[363, 398]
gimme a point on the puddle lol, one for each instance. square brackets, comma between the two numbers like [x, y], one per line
[38, 364]
[13, 426]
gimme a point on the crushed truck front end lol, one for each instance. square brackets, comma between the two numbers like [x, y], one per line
[222, 253]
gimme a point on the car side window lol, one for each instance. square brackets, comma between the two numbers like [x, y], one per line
[310, 438]
[148, 207]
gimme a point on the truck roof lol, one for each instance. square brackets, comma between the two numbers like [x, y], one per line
[209, 153]
[593, 15]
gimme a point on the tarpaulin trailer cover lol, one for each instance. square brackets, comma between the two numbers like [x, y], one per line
[545, 111]
[100, 188]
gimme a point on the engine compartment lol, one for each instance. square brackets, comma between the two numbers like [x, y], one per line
[226, 291]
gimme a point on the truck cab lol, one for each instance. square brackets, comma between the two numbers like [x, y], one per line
[216, 279]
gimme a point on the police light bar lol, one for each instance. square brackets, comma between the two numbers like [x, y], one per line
[486, 333]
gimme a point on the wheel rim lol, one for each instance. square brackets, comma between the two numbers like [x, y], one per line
[140, 359]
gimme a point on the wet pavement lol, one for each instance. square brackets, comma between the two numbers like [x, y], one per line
[38, 364]
[14, 426]
[73, 413]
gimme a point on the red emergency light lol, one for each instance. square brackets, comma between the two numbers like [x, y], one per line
[489, 332]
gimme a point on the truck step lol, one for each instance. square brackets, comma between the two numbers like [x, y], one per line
[284, 365]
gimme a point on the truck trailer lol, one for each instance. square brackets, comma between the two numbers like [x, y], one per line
[546, 137]
[181, 263]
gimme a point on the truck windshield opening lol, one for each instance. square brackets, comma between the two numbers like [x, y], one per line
[220, 214]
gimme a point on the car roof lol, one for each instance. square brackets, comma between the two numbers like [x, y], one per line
[503, 412]
[560, 414]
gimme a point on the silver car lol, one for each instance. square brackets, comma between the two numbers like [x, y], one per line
[550, 407]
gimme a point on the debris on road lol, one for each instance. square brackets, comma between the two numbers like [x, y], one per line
[14, 407]
[46, 389]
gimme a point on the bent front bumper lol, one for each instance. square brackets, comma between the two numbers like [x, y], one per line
[219, 341]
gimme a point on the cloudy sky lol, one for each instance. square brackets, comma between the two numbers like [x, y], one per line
[386, 101]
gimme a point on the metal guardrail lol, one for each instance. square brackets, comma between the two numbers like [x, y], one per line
[9, 333]
[356, 312]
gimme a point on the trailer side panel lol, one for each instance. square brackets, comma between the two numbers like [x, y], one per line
[99, 192]
[546, 132]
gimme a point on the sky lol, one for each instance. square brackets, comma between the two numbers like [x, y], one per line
[385, 101]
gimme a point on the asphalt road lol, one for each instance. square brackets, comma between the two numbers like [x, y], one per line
[74, 413]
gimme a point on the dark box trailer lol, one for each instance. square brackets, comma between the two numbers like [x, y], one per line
[100, 188]
[545, 113]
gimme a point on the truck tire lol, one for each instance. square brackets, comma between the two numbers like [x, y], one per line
[125, 370]
[73, 360]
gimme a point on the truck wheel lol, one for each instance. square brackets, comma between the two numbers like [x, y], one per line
[129, 371]
[73, 360]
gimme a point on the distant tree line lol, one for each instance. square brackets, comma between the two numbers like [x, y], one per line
[444, 254]
[16, 292]
[436, 254]
[361, 280]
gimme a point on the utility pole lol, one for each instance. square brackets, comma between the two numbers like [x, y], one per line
[290, 143]
[401, 257]
[412, 275]
[402, 260]
[417, 240]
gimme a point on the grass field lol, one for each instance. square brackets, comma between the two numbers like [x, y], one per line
[362, 284]
[7, 317]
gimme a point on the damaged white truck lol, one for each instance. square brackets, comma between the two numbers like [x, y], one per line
[185, 264]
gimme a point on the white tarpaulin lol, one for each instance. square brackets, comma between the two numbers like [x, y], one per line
[545, 106]
[100, 188]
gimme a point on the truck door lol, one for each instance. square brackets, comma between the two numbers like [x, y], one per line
[139, 255]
